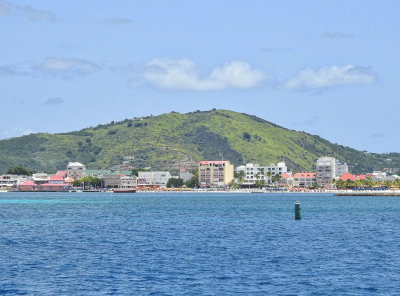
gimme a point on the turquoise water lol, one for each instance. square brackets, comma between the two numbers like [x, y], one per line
[198, 244]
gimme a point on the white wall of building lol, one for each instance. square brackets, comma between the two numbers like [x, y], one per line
[76, 170]
[153, 178]
[252, 171]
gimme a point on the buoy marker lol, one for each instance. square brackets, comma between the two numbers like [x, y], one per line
[297, 210]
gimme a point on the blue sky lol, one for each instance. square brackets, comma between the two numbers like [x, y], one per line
[329, 68]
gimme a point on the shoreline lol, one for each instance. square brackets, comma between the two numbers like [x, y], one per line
[243, 191]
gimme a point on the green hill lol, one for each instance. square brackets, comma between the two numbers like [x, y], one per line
[171, 140]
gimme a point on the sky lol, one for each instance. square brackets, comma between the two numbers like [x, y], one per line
[329, 68]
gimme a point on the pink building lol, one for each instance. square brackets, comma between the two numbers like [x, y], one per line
[56, 183]
[27, 186]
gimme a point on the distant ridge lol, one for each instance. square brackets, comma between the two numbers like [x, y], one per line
[170, 140]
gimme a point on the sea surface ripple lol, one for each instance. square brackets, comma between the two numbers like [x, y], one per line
[198, 244]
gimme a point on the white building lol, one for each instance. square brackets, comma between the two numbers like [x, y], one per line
[378, 175]
[76, 170]
[40, 178]
[185, 175]
[328, 168]
[326, 171]
[153, 178]
[341, 169]
[128, 182]
[254, 172]
[9, 182]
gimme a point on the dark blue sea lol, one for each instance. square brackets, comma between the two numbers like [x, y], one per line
[198, 244]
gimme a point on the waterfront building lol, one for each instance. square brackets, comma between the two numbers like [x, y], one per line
[76, 170]
[111, 180]
[287, 180]
[299, 180]
[56, 179]
[101, 173]
[27, 186]
[9, 182]
[185, 175]
[62, 174]
[128, 182]
[215, 173]
[253, 172]
[341, 169]
[378, 175]
[328, 168]
[326, 171]
[351, 177]
[304, 180]
[153, 179]
[40, 178]
[56, 183]
[69, 181]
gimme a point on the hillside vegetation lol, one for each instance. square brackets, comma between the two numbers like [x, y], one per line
[171, 140]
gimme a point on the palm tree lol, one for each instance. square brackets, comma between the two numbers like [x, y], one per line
[269, 174]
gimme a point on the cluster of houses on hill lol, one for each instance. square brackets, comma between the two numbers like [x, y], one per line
[211, 174]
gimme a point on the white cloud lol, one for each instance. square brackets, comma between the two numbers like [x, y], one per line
[7, 70]
[30, 13]
[66, 67]
[182, 74]
[331, 76]
[15, 69]
[34, 15]
[4, 8]
[17, 132]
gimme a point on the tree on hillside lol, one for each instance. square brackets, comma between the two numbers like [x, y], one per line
[18, 170]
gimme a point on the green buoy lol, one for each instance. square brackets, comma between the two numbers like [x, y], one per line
[297, 210]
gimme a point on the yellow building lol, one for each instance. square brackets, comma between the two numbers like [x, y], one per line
[215, 173]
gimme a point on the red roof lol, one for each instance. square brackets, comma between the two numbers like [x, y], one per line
[213, 162]
[285, 175]
[305, 175]
[27, 183]
[62, 173]
[56, 178]
[351, 177]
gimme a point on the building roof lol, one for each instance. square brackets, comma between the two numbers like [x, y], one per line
[351, 177]
[305, 175]
[106, 172]
[56, 178]
[214, 162]
[27, 183]
[62, 173]
[69, 180]
[286, 175]
[75, 164]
